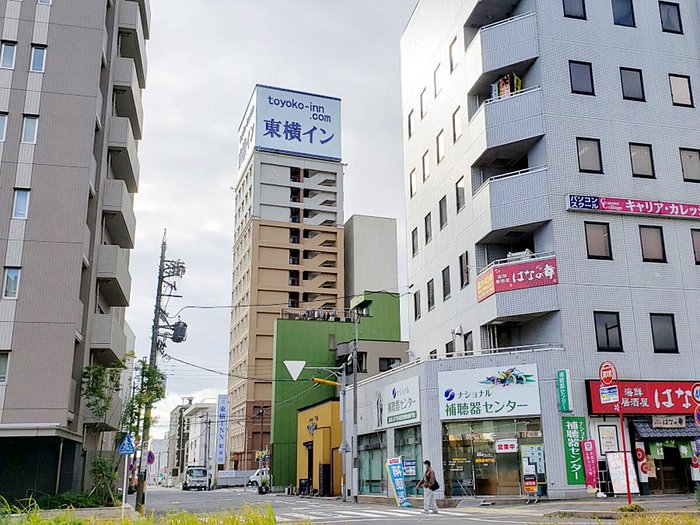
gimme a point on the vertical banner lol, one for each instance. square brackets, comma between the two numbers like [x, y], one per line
[564, 390]
[574, 429]
[221, 424]
[642, 465]
[394, 467]
[590, 464]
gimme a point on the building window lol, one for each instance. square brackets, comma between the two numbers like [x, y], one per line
[410, 124]
[44, 2]
[446, 287]
[416, 305]
[598, 240]
[581, 76]
[460, 194]
[10, 286]
[7, 55]
[29, 129]
[663, 333]
[423, 106]
[4, 358]
[468, 344]
[414, 241]
[607, 331]
[463, 269]
[670, 17]
[623, 13]
[21, 204]
[695, 237]
[431, 294]
[433, 354]
[425, 165]
[642, 160]
[453, 55]
[589, 156]
[681, 94]
[443, 212]
[652, 239]
[3, 126]
[575, 9]
[632, 84]
[427, 222]
[38, 60]
[440, 145]
[456, 124]
[690, 164]
[387, 363]
[450, 349]
[412, 182]
[437, 81]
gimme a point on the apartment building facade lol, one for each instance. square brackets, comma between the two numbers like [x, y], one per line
[288, 243]
[551, 155]
[71, 75]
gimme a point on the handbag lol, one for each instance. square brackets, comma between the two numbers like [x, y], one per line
[435, 486]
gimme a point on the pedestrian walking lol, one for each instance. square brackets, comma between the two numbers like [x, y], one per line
[430, 485]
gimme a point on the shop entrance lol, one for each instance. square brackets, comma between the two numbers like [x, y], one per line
[671, 474]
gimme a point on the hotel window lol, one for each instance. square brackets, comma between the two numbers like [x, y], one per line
[414, 242]
[575, 9]
[695, 237]
[29, 129]
[456, 124]
[425, 165]
[632, 84]
[440, 145]
[10, 286]
[623, 13]
[464, 269]
[44, 2]
[21, 204]
[652, 240]
[607, 331]
[581, 77]
[681, 94]
[453, 55]
[598, 243]
[589, 156]
[663, 333]
[38, 60]
[460, 194]
[670, 17]
[423, 107]
[427, 222]
[3, 126]
[412, 182]
[446, 286]
[431, 294]
[410, 124]
[690, 164]
[642, 160]
[416, 305]
[437, 81]
[443, 212]
[7, 55]
[4, 358]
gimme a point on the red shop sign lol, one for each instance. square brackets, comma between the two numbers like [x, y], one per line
[517, 276]
[644, 397]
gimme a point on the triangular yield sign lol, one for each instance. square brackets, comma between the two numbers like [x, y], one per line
[294, 368]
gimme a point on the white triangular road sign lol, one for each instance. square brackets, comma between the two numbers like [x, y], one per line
[294, 368]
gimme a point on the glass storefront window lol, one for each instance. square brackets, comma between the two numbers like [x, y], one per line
[473, 465]
[372, 458]
[407, 444]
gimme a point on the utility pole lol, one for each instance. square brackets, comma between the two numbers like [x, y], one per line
[355, 458]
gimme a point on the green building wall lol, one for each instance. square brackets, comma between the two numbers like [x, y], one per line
[309, 340]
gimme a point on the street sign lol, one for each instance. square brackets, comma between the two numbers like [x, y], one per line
[607, 373]
[294, 368]
[564, 390]
[696, 413]
[695, 389]
[151, 458]
[530, 482]
[609, 394]
[127, 446]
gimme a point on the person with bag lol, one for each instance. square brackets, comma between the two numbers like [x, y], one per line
[430, 485]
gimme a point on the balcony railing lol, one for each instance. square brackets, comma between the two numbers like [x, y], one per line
[318, 314]
[510, 174]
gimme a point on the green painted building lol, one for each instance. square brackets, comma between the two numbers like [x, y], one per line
[314, 341]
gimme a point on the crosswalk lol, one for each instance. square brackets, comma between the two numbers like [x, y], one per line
[333, 514]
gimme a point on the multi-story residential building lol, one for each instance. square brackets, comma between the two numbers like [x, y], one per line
[71, 75]
[202, 435]
[288, 242]
[551, 155]
[178, 436]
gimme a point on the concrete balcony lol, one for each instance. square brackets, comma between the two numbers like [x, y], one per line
[108, 342]
[132, 42]
[87, 238]
[128, 94]
[118, 210]
[510, 45]
[124, 153]
[512, 200]
[113, 275]
[510, 122]
[145, 10]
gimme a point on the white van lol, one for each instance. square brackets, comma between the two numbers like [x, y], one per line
[256, 479]
[195, 478]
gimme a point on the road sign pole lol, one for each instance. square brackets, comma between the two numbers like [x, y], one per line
[126, 476]
[624, 453]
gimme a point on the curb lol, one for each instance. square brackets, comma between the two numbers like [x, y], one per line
[614, 514]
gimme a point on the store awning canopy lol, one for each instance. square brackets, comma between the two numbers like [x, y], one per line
[646, 431]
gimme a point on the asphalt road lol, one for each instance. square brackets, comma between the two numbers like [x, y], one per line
[292, 509]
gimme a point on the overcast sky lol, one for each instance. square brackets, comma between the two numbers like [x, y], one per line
[204, 59]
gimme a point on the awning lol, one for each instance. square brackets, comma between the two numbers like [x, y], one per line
[645, 430]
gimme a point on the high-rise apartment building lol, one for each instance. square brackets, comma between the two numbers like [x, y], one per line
[552, 162]
[288, 245]
[71, 75]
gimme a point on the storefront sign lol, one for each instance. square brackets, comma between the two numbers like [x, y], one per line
[644, 397]
[697, 446]
[616, 469]
[409, 467]
[589, 457]
[394, 467]
[517, 275]
[633, 207]
[221, 425]
[642, 465]
[695, 468]
[685, 450]
[651, 466]
[530, 483]
[575, 432]
[504, 446]
[607, 436]
[398, 403]
[532, 457]
[656, 449]
[486, 393]
[668, 421]
[609, 394]
[564, 390]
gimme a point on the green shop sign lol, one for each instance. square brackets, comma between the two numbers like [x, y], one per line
[564, 390]
[574, 432]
